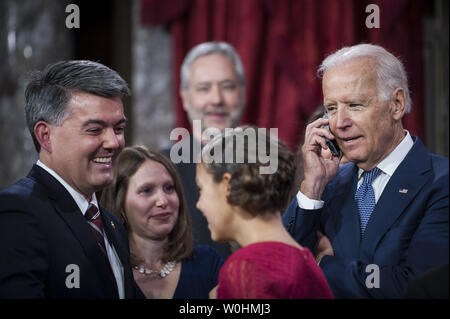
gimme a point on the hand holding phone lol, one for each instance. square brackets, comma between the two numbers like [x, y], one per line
[332, 144]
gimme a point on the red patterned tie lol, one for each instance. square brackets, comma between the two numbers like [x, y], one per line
[95, 221]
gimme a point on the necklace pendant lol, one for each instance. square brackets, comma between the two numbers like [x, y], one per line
[156, 274]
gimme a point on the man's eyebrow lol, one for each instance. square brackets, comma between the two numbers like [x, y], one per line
[89, 122]
[103, 123]
[228, 81]
[203, 83]
[123, 120]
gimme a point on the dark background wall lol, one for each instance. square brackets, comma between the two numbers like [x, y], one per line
[33, 34]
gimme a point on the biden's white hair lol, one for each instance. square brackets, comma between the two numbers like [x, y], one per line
[390, 70]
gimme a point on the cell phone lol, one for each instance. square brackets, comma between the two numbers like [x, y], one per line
[332, 144]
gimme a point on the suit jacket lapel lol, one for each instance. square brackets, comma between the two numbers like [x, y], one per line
[410, 176]
[68, 210]
[344, 214]
[120, 245]
[83, 232]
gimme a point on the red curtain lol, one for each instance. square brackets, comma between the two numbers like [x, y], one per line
[282, 42]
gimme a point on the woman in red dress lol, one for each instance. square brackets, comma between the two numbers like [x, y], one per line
[242, 202]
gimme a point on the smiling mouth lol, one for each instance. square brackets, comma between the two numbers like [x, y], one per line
[217, 114]
[102, 160]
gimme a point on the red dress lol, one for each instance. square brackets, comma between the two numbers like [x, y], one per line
[272, 270]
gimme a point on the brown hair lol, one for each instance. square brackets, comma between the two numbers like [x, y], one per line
[180, 243]
[255, 192]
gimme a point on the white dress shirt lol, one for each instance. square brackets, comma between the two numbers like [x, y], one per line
[387, 166]
[83, 205]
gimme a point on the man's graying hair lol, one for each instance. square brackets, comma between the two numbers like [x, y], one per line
[390, 70]
[48, 92]
[207, 48]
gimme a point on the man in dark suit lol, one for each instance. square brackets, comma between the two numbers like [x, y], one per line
[381, 220]
[213, 93]
[55, 240]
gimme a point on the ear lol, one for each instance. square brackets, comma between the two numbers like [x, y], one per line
[184, 98]
[226, 178]
[398, 104]
[42, 131]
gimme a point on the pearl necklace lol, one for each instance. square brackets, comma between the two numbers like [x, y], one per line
[157, 274]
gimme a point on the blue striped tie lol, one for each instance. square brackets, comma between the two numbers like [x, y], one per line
[365, 197]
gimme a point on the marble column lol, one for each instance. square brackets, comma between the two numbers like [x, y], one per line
[32, 35]
[152, 108]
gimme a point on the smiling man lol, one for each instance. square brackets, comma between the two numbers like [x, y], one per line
[55, 240]
[382, 219]
[213, 86]
[213, 92]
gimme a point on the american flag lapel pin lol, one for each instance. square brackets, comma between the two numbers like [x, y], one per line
[403, 190]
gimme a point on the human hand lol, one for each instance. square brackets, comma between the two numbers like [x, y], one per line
[319, 165]
[323, 247]
[213, 293]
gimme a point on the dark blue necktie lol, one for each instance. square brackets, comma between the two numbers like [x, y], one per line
[365, 197]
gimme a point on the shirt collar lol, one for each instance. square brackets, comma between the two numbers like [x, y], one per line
[390, 163]
[81, 201]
